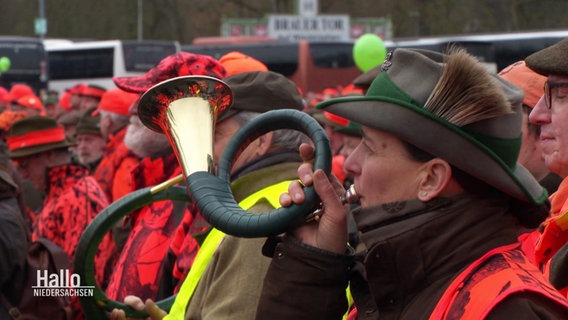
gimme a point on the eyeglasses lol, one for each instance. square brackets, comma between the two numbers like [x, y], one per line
[548, 87]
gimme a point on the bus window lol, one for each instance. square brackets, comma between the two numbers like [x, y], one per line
[142, 56]
[96, 62]
[81, 63]
[27, 62]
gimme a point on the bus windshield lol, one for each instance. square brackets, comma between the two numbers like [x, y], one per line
[27, 62]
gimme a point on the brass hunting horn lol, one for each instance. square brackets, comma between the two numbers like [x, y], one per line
[185, 109]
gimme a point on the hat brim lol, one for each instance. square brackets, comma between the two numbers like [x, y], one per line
[23, 152]
[6, 177]
[445, 140]
[135, 84]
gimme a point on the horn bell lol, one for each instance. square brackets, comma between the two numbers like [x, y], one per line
[185, 109]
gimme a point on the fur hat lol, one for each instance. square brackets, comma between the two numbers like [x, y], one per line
[550, 60]
[36, 134]
[261, 91]
[176, 65]
[414, 84]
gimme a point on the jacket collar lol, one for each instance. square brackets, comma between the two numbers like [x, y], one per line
[60, 178]
[412, 245]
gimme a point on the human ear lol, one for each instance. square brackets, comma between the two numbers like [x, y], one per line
[435, 178]
[264, 143]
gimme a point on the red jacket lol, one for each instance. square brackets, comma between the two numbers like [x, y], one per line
[73, 199]
[139, 268]
[541, 245]
[113, 172]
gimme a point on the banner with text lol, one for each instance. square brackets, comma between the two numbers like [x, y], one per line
[312, 28]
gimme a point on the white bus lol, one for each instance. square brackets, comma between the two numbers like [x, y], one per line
[28, 62]
[96, 62]
[497, 49]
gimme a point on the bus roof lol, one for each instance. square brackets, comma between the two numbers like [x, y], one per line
[480, 37]
[54, 44]
[231, 40]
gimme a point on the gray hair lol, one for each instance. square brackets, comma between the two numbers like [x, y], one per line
[119, 119]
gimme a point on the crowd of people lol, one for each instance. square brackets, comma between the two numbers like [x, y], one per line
[460, 175]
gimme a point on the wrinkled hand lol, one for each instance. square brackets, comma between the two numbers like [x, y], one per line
[330, 231]
[154, 312]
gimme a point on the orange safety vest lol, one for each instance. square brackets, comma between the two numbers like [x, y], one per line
[486, 282]
[490, 279]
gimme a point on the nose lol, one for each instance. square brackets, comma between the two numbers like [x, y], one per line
[351, 165]
[133, 110]
[540, 114]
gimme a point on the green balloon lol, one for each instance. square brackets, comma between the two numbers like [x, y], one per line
[369, 51]
[5, 64]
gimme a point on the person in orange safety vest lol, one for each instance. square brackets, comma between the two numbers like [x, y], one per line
[441, 200]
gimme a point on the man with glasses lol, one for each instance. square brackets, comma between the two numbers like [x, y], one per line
[551, 113]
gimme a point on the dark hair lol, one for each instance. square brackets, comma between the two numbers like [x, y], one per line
[529, 215]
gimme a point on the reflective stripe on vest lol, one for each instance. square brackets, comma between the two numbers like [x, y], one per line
[271, 194]
[504, 271]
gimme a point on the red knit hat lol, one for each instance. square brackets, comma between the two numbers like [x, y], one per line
[117, 101]
[237, 62]
[176, 65]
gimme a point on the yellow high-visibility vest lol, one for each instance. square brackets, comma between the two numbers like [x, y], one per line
[271, 194]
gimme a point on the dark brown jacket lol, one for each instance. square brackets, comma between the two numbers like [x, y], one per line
[414, 251]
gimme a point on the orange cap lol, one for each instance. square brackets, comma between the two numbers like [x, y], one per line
[76, 89]
[529, 81]
[3, 93]
[117, 101]
[237, 62]
[65, 100]
[31, 101]
[17, 91]
[91, 90]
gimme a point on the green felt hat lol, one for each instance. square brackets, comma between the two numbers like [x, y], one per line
[487, 149]
[89, 123]
[36, 134]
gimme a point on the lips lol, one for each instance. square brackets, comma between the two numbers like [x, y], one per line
[546, 142]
